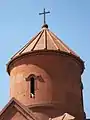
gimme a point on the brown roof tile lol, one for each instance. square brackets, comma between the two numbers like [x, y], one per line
[45, 40]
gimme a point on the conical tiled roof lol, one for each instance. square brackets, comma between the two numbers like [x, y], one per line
[44, 40]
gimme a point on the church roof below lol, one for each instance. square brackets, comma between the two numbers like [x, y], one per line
[44, 40]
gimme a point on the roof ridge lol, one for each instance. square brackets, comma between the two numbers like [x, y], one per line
[17, 104]
[64, 45]
[28, 43]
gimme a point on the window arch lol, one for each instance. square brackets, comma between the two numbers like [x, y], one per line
[32, 87]
[32, 84]
[32, 79]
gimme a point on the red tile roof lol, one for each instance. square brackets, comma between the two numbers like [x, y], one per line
[45, 40]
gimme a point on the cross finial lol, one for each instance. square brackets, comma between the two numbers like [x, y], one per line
[44, 13]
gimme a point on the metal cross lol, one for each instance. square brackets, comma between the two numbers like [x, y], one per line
[44, 13]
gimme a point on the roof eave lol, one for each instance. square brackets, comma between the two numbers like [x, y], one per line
[41, 52]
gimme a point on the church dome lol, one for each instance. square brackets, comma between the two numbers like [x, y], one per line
[45, 40]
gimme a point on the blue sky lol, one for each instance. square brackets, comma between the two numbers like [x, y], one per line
[19, 22]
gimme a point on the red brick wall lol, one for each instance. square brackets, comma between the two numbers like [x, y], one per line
[61, 86]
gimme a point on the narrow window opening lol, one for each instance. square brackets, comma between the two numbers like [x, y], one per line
[32, 87]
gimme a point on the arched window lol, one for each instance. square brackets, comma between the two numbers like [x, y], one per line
[33, 80]
[32, 84]
[32, 87]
